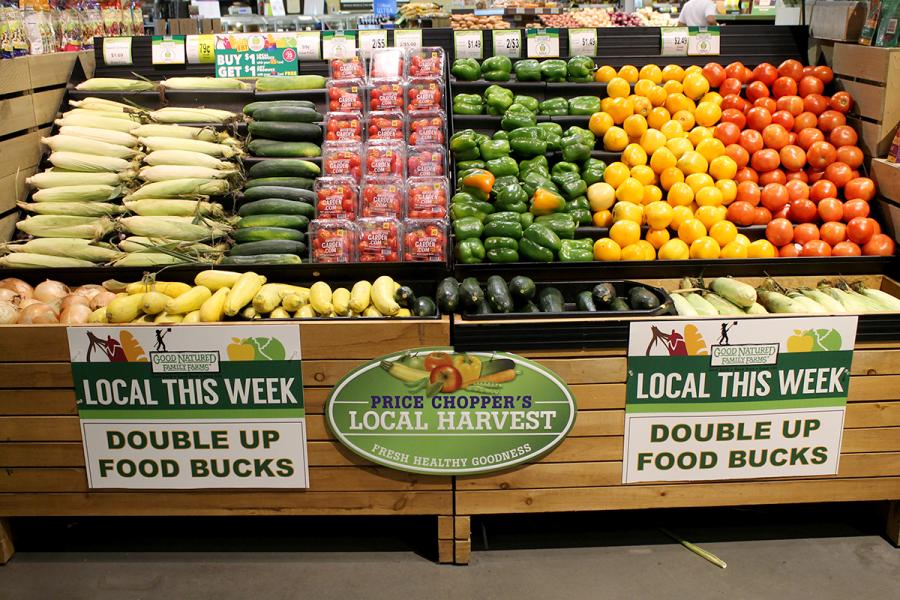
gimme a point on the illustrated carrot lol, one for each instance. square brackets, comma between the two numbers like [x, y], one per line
[499, 377]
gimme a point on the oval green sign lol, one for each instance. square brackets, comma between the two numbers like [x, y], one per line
[436, 411]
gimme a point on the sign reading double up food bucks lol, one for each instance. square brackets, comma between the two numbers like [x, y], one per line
[182, 407]
[736, 398]
[436, 411]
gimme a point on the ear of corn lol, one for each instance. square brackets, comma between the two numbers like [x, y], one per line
[78, 209]
[138, 243]
[101, 104]
[203, 83]
[186, 158]
[28, 260]
[176, 131]
[188, 301]
[72, 143]
[215, 279]
[94, 119]
[76, 161]
[65, 226]
[148, 259]
[170, 172]
[172, 228]
[180, 188]
[67, 247]
[105, 114]
[188, 115]
[63, 179]
[151, 207]
[114, 84]
[213, 309]
[242, 292]
[76, 193]
[102, 135]
[154, 143]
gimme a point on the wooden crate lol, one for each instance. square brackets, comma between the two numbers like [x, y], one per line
[872, 76]
[42, 459]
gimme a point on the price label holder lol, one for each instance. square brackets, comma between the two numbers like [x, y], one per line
[309, 45]
[372, 39]
[338, 44]
[703, 41]
[117, 51]
[468, 43]
[408, 38]
[582, 42]
[507, 42]
[167, 50]
[673, 41]
[200, 49]
[543, 43]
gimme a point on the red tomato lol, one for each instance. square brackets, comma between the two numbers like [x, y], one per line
[807, 137]
[756, 90]
[765, 73]
[793, 104]
[730, 86]
[851, 155]
[792, 138]
[780, 232]
[783, 213]
[879, 245]
[802, 211]
[783, 118]
[810, 85]
[758, 118]
[804, 120]
[846, 249]
[765, 160]
[820, 154]
[831, 209]
[793, 158]
[816, 248]
[797, 175]
[761, 215]
[738, 154]
[855, 208]
[814, 175]
[822, 189]
[728, 133]
[746, 174]
[825, 74]
[714, 73]
[733, 115]
[807, 72]
[843, 135]
[861, 188]
[860, 230]
[741, 213]
[841, 102]
[773, 176]
[766, 103]
[733, 101]
[774, 196]
[833, 232]
[775, 136]
[749, 192]
[790, 68]
[838, 173]
[797, 189]
[815, 103]
[736, 70]
[751, 140]
[784, 86]
[805, 233]
[790, 251]
[830, 119]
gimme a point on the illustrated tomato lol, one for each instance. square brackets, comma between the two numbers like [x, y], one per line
[831, 119]
[774, 196]
[733, 101]
[775, 136]
[831, 209]
[802, 211]
[824, 73]
[820, 154]
[851, 155]
[751, 140]
[822, 189]
[879, 245]
[733, 115]
[838, 173]
[714, 73]
[761, 215]
[816, 248]
[738, 154]
[765, 73]
[815, 103]
[727, 132]
[790, 251]
[860, 230]
[741, 213]
[765, 160]
[793, 158]
[783, 118]
[780, 232]
[846, 249]
[767, 103]
[861, 188]
[730, 86]
[448, 376]
[438, 359]
[841, 102]
[736, 70]
[749, 192]
[797, 176]
[793, 104]
[784, 86]
[758, 118]
[773, 176]
[810, 85]
[756, 90]
[804, 120]
[790, 68]
[805, 233]
[833, 232]
[746, 174]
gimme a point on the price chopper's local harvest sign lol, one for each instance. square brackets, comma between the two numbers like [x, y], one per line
[736, 399]
[434, 411]
[190, 407]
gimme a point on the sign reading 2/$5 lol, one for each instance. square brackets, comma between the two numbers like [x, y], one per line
[436, 411]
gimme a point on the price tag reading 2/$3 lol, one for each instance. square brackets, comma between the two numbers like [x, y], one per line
[582, 42]
[468, 44]
[507, 42]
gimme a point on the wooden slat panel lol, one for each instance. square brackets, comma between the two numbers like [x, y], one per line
[46, 105]
[21, 152]
[598, 422]
[884, 387]
[8, 227]
[881, 439]
[51, 69]
[876, 362]
[588, 370]
[866, 62]
[14, 75]
[226, 504]
[13, 188]
[670, 496]
[16, 114]
[40, 429]
[586, 449]
[327, 372]
[38, 402]
[872, 414]
[35, 375]
[870, 100]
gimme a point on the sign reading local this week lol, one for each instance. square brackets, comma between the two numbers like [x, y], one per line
[436, 411]
[736, 398]
[190, 407]
[256, 54]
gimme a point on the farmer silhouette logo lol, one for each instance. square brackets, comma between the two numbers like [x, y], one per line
[160, 344]
[723, 339]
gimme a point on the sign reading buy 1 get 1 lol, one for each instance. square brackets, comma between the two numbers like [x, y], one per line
[736, 398]
[256, 55]
[190, 407]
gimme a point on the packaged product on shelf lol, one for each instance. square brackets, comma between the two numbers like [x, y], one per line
[386, 126]
[92, 24]
[342, 159]
[426, 62]
[38, 24]
[380, 239]
[427, 127]
[332, 241]
[387, 63]
[386, 94]
[347, 68]
[336, 198]
[137, 19]
[13, 39]
[426, 197]
[426, 161]
[343, 126]
[425, 240]
[345, 96]
[382, 197]
[425, 94]
[112, 17]
[70, 28]
[386, 159]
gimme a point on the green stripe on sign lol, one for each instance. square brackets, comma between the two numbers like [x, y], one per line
[231, 414]
[735, 406]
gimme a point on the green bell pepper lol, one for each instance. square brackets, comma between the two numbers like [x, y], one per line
[463, 140]
[586, 135]
[503, 166]
[580, 67]
[491, 149]
[538, 163]
[498, 242]
[582, 216]
[500, 135]
[496, 68]
[498, 99]
[470, 251]
[576, 250]
[466, 69]
[503, 215]
[468, 104]
[463, 210]
[467, 155]
[470, 164]
[584, 105]
[529, 102]
[528, 70]
[467, 227]
[510, 229]
[536, 180]
[553, 70]
[554, 142]
[534, 252]
[550, 127]
[527, 141]
[526, 219]
[562, 167]
[517, 117]
[561, 223]
[579, 202]
[462, 198]
[510, 197]
[543, 236]
[503, 255]
[478, 195]
[592, 170]
[554, 107]
[569, 184]
[576, 146]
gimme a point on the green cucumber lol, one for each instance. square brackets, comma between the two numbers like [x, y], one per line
[287, 221]
[521, 288]
[284, 167]
[470, 293]
[585, 302]
[294, 182]
[276, 191]
[604, 294]
[272, 149]
[640, 298]
[423, 306]
[483, 308]
[277, 206]
[619, 304]
[288, 114]
[251, 108]
[286, 132]
[263, 259]
[529, 307]
[550, 300]
[268, 247]
[498, 294]
[447, 295]
[260, 234]
[404, 296]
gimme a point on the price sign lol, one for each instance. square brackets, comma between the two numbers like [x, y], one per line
[468, 44]
[338, 44]
[582, 42]
[703, 41]
[408, 38]
[168, 50]
[673, 41]
[308, 45]
[253, 55]
[543, 43]
[507, 42]
[117, 51]
[200, 49]
[372, 39]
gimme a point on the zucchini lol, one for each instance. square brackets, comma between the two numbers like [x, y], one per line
[521, 288]
[284, 167]
[277, 206]
[470, 293]
[604, 294]
[281, 83]
[619, 304]
[287, 221]
[288, 114]
[272, 149]
[498, 294]
[550, 300]
[447, 295]
[529, 307]
[295, 182]
[496, 365]
[640, 298]
[483, 308]
[268, 247]
[259, 234]
[585, 302]
[423, 306]
[286, 132]
[263, 259]
[276, 191]
[251, 108]
[404, 296]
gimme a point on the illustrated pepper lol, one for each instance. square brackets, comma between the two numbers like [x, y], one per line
[468, 104]
[480, 180]
[491, 149]
[497, 99]
[470, 164]
[503, 255]
[510, 196]
[496, 68]
[517, 117]
[466, 69]
[562, 224]
[564, 167]
[543, 236]
[470, 251]
[570, 184]
[528, 70]
[503, 166]
[554, 107]
[529, 102]
[592, 170]
[553, 70]
[534, 252]
[580, 67]
[467, 227]
[527, 141]
[535, 180]
[463, 140]
[576, 250]
[576, 146]
[584, 105]
[500, 135]
[538, 163]
[545, 202]
[510, 229]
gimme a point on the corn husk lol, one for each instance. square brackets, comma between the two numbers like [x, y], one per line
[114, 84]
[180, 188]
[78, 209]
[68, 143]
[176, 131]
[186, 158]
[101, 135]
[172, 228]
[102, 105]
[76, 193]
[97, 120]
[90, 163]
[66, 226]
[203, 83]
[28, 260]
[164, 207]
[149, 259]
[137, 243]
[155, 143]
[170, 172]
[106, 114]
[190, 115]
[68, 247]
[55, 179]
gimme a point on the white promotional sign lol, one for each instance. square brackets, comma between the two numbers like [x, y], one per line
[408, 38]
[582, 42]
[200, 49]
[308, 45]
[168, 50]
[338, 44]
[703, 41]
[507, 42]
[673, 41]
[543, 43]
[117, 51]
